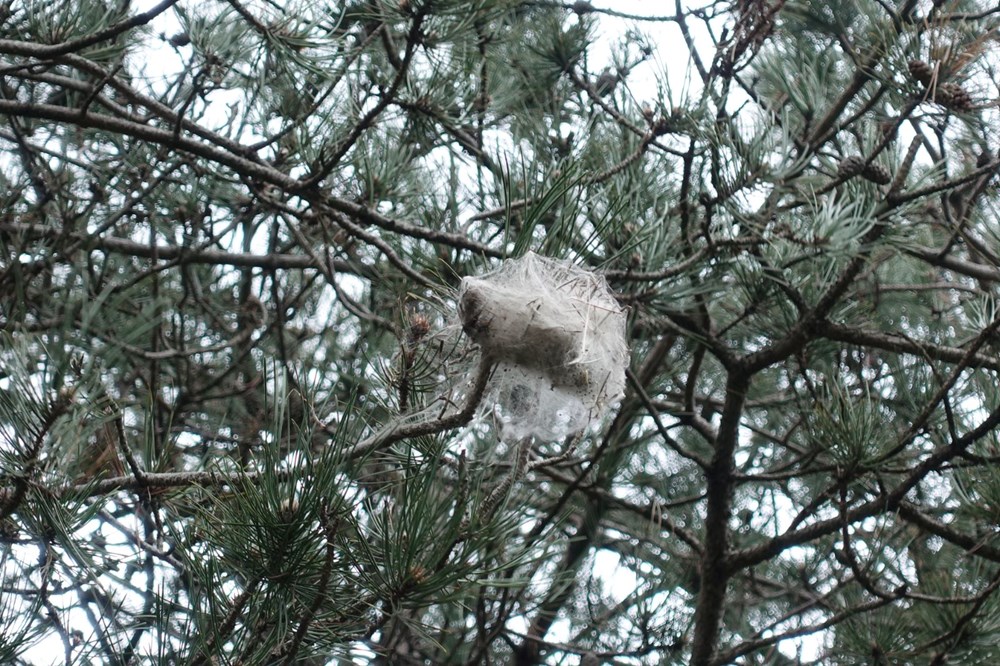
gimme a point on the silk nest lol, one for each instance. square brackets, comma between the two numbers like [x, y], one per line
[556, 337]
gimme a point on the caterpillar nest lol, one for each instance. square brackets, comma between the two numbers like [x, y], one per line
[557, 338]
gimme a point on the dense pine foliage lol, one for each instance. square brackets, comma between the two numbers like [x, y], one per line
[239, 421]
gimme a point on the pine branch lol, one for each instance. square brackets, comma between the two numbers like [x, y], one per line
[715, 565]
[328, 163]
[11, 497]
[407, 427]
[182, 255]
[225, 628]
[834, 620]
[328, 527]
[52, 51]
[974, 544]
[886, 503]
[245, 167]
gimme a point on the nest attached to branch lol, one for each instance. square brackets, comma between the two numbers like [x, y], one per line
[557, 337]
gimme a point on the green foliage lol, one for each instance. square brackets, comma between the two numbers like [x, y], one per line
[240, 421]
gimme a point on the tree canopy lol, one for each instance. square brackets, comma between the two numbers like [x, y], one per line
[241, 422]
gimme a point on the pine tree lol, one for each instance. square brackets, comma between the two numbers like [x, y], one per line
[240, 422]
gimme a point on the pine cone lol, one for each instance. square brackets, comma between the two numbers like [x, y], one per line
[877, 173]
[850, 167]
[921, 71]
[953, 96]
[854, 166]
